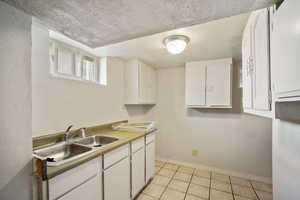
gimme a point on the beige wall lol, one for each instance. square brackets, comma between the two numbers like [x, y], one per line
[15, 104]
[225, 139]
[59, 102]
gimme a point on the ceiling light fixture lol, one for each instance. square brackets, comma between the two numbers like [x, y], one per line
[176, 44]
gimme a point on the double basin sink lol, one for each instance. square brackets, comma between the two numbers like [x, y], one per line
[64, 152]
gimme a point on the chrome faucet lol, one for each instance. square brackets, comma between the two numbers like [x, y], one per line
[67, 133]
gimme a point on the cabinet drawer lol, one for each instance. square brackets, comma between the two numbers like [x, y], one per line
[150, 138]
[116, 155]
[68, 180]
[90, 190]
[137, 144]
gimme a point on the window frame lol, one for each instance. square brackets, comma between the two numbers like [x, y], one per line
[77, 72]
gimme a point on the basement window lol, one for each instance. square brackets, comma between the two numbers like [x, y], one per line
[72, 63]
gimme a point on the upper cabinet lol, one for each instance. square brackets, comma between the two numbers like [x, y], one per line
[261, 58]
[256, 64]
[285, 51]
[195, 83]
[208, 83]
[140, 83]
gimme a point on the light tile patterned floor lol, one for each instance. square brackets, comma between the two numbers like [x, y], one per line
[175, 182]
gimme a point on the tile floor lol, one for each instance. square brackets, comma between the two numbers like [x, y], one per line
[175, 182]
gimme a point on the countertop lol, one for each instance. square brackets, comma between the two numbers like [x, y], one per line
[124, 138]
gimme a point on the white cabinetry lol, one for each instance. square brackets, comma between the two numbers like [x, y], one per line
[261, 60]
[195, 81]
[84, 179]
[247, 67]
[137, 166]
[117, 174]
[121, 174]
[150, 156]
[256, 64]
[208, 83]
[90, 190]
[140, 83]
[285, 51]
[218, 83]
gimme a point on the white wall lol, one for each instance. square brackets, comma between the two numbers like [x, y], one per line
[15, 104]
[58, 102]
[226, 140]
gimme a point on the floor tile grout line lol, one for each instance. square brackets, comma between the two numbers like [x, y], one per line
[190, 182]
[209, 189]
[254, 191]
[164, 163]
[220, 190]
[166, 187]
[160, 166]
[231, 188]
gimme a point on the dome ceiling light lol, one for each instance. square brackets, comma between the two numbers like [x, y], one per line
[176, 44]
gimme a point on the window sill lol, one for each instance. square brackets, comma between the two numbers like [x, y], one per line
[79, 80]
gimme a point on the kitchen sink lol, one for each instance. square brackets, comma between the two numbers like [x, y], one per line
[97, 141]
[61, 153]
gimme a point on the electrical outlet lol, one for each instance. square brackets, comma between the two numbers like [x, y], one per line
[194, 152]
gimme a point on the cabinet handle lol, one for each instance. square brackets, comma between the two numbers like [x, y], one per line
[250, 67]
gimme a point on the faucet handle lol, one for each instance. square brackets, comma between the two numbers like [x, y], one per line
[83, 129]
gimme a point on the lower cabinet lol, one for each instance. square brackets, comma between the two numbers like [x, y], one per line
[150, 156]
[90, 190]
[117, 175]
[81, 182]
[138, 170]
[120, 175]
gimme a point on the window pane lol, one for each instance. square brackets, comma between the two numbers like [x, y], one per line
[103, 71]
[78, 66]
[64, 61]
[89, 70]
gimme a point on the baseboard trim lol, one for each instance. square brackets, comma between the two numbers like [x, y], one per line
[224, 171]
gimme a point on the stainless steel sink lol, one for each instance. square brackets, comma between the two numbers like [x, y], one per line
[97, 141]
[61, 153]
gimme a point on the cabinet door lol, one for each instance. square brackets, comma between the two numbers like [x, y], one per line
[152, 85]
[261, 61]
[90, 190]
[150, 161]
[285, 49]
[138, 171]
[117, 181]
[195, 78]
[247, 72]
[218, 85]
[144, 79]
[142, 83]
[131, 86]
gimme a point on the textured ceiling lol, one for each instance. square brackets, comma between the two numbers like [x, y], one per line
[215, 39]
[101, 22]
